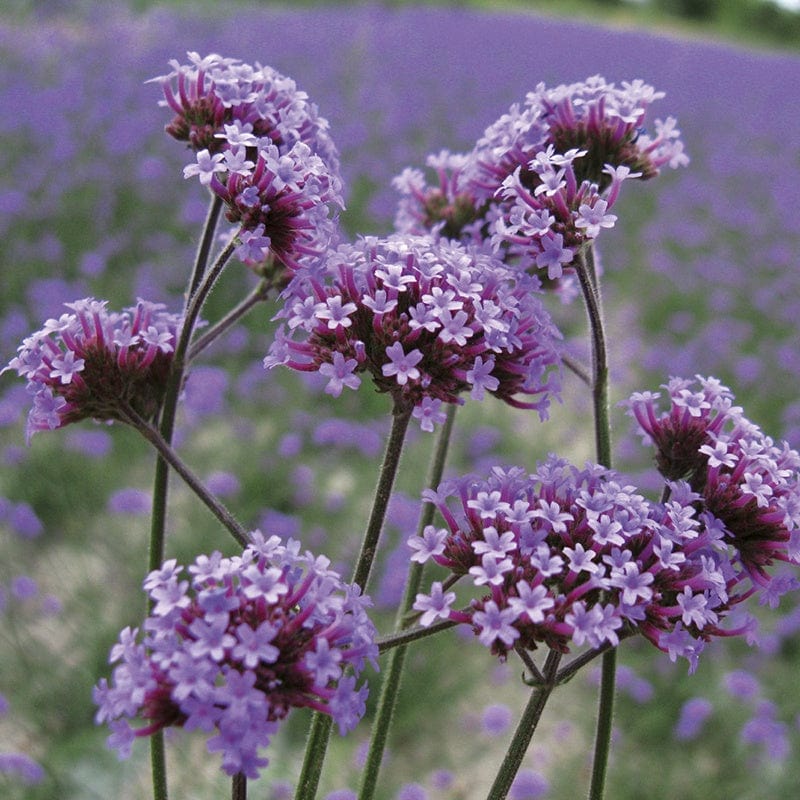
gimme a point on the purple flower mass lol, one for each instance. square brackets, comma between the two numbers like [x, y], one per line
[540, 181]
[748, 484]
[95, 363]
[427, 320]
[568, 557]
[231, 650]
[263, 149]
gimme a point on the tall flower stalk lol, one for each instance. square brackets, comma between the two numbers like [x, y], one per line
[319, 732]
[393, 669]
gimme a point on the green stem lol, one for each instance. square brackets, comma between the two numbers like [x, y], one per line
[592, 300]
[393, 640]
[590, 289]
[239, 787]
[169, 455]
[319, 732]
[259, 294]
[158, 519]
[525, 730]
[392, 672]
[383, 491]
[205, 244]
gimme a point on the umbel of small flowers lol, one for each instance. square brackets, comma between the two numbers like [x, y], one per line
[263, 149]
[746, 482]
[99, 364]
[570, 557]
[232, 649]
[428, 320]
[540, 182]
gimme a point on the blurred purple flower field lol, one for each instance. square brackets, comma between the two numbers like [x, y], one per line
[701, 276]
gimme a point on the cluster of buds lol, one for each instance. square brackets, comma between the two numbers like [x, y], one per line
[97, 364]
[252, 637]
[427, 319]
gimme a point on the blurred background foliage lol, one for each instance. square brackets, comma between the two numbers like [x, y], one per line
[701, 276]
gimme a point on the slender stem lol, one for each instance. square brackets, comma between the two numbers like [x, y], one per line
[158, 766]
[196, 300]
[592, 300]
[525, 730]
[158, 517]
[383, 491]
[239, 786]
[204, 246]
[195, 484]
[590, 288]
[605, 716]
[404, 637]
[319, 732]
[392, 672]
[259, 294]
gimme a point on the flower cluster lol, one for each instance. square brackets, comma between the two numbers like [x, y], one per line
[541, 180]
[427, 319]
[570, 556]
[211, 95]
[749, 484]
[254, 636]
[263, 149]
[96, 363]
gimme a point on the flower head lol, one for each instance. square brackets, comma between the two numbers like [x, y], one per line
[220, 103]
[233, 647]
[263, 149]
[96, 363]
[571, 557]
[747, 482]
[541, 181]
[427, 319]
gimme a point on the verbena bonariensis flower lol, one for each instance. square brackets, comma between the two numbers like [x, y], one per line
[263, 149]
[746, 481]
[221, 102]
[95, 363]
[232, 649]
[570, 557]
[427, 319]
[541, 180]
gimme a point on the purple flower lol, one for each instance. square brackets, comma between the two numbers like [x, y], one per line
[222, 103]
[94, 363]
[540, 181]
[747, 483]
[694, 714]
[234, 648]
[427, 319]
[263, 149]
[538, 549]
[21, 766]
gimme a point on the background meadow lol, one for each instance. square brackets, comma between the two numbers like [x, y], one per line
[701, 276]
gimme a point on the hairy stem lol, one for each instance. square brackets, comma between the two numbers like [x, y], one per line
[258, 295]
[158, 517]
[239, 787]
[525, 730]
[169, 455]
[392, 672]
[590, 289]
[319, 732]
